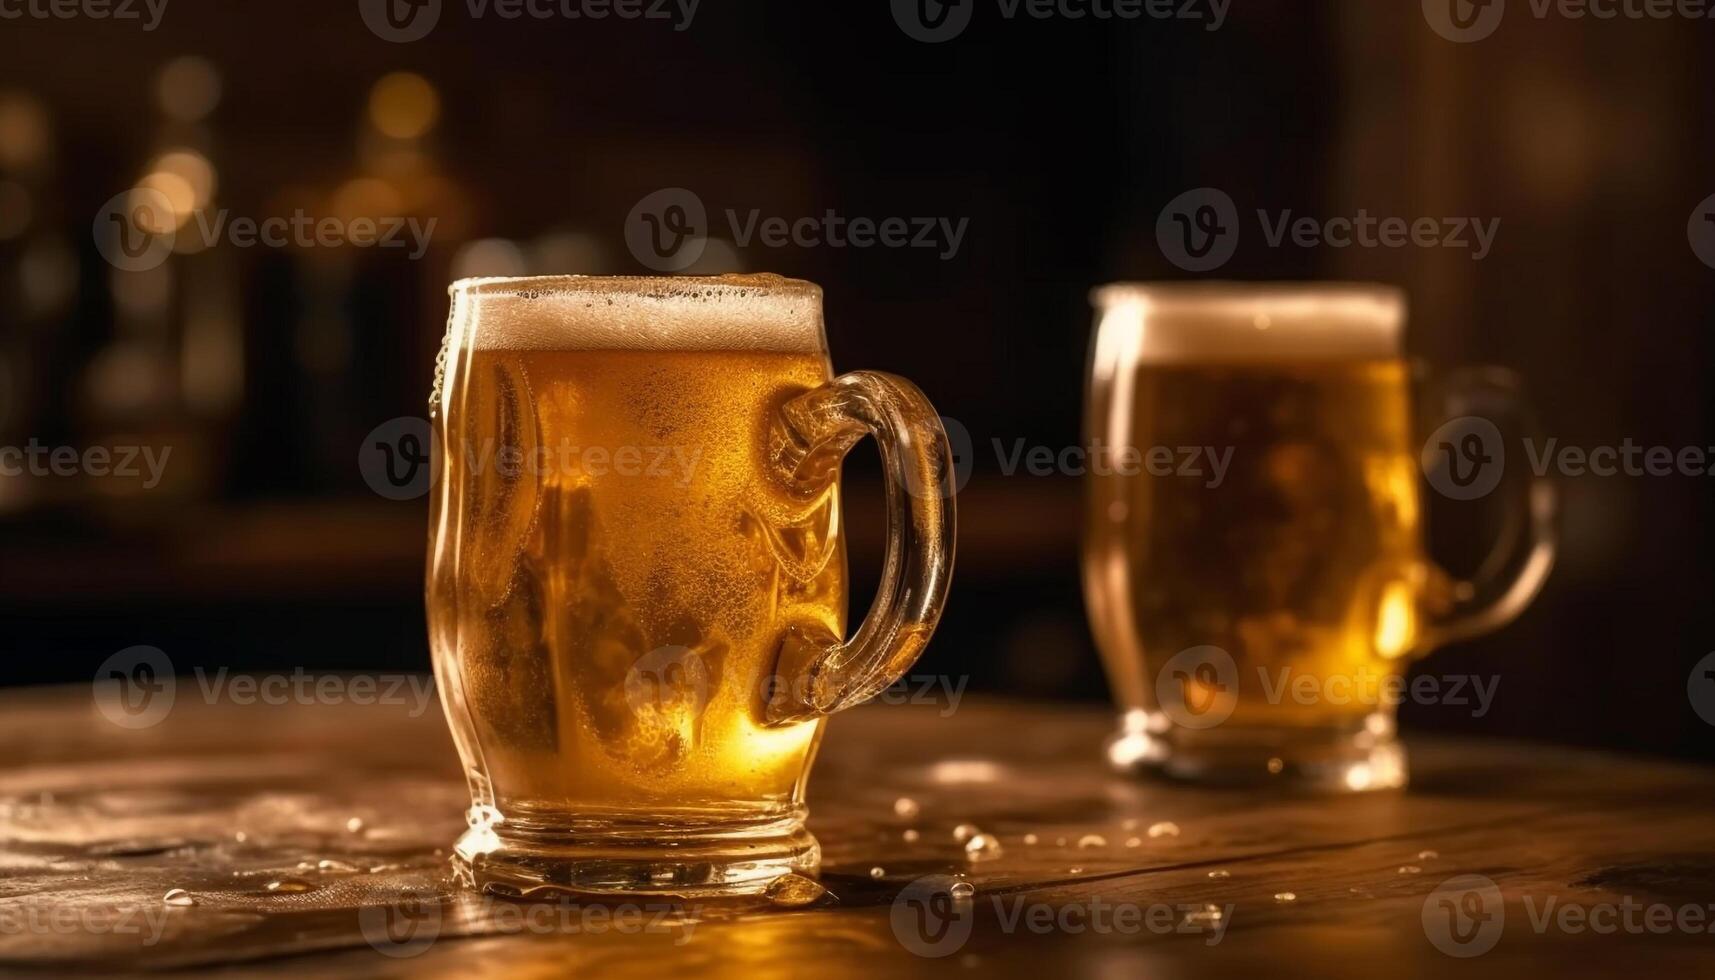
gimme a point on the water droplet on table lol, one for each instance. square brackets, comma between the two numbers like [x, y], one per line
[962, 889]
[1428, 855]
[906, 808]
[289, 886]
[1134, 842]
[1031, 839]
[794, 891]
[965, 831]
[1207, 915]
[1410, 869]
[178, 897]
[1165, 828]
[1220, 874]
[329, 864]
[878, 872]
[354, 825]
[911, 836]
[1092, 840]
[983, 847]
[1285, 896]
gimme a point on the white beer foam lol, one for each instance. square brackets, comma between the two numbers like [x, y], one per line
[1225, 322]
[759, 312]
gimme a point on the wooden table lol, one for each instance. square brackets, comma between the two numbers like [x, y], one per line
[98, 822]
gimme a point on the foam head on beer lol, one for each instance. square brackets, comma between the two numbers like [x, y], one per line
[1220, 322]
[760, 312]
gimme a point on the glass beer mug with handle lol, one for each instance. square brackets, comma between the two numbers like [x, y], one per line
[636, 580]
[1253, 560]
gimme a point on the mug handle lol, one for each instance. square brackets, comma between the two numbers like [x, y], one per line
[1465, 459]
[817, 673]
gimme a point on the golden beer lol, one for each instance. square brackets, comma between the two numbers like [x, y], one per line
[617, 559]
[1257, 625]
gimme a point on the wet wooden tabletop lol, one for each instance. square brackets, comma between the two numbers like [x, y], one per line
[1588, 863]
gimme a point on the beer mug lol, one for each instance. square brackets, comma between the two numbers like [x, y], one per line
[1253, 560]
[636, 580]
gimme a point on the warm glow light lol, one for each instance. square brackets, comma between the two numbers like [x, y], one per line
[188, 89]
[403, 105]
[23, 131]
[1396, 620]
[179, 195]
[366, 197]
[191, 167]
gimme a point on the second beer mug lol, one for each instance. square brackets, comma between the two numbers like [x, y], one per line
[637, 581]
[1257, 610]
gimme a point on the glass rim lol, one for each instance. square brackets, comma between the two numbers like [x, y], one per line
[648, 285]
[1201, 292]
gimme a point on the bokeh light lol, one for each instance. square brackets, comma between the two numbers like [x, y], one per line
[403, 105]
[188, 89]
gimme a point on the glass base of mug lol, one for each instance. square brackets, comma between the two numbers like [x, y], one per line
[1361, 757]
[530, 855]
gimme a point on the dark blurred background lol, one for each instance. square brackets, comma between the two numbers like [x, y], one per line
[1060, 140]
